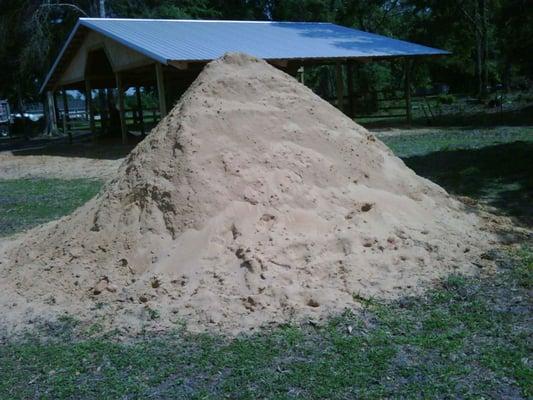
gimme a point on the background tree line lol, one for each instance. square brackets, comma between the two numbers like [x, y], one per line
[490, 40]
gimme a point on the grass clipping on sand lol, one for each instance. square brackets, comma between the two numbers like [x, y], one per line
[254, 201]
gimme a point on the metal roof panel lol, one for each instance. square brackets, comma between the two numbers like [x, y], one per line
[200, 40]
[203, 40]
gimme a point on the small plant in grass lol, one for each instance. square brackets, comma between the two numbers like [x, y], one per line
[454, 281]
[365, 301]
[153, 313]
[524, 272]
[447, 99]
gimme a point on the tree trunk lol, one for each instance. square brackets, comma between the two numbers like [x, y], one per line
[21, 109]
[479, 79]
[475, 19]
[101, 9]
[484, 46]
[507, 75]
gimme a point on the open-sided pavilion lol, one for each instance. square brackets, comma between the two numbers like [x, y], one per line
[168, 55]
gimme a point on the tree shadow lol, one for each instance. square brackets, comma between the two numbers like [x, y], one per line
[103, 149]
[500, 176]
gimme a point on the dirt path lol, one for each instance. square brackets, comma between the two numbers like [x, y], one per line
[63, 162]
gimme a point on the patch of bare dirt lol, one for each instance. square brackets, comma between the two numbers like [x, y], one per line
[70, 163]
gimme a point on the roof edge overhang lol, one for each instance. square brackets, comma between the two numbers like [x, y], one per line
[326, 60]
[233, 21]
[59, 57]
[84, 23]
[122, 41]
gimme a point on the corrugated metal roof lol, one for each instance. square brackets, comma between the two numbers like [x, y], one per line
[194, 40]
[205, 40]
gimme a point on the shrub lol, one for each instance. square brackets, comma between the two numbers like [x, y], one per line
[445, 99]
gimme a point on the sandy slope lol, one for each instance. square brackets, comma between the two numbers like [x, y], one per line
[253, 201]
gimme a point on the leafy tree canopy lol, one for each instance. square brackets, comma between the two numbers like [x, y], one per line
[490, 39]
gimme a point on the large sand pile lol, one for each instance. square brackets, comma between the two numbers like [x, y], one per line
[253, 201]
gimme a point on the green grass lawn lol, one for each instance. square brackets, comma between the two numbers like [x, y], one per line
[419, 144]
[466, 338]
[493, 165]
[469, 338]
[25, 203]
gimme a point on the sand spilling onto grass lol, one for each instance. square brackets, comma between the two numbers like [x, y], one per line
[252, 202]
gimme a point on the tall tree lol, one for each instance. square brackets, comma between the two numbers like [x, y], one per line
[475, 12]
[101, 9]
[489, 39]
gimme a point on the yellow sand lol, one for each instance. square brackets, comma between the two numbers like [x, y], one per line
[252, 202]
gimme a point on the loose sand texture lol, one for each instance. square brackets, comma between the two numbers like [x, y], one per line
[15, 166]
[253, 202]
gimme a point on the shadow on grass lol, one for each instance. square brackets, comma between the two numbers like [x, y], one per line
[500, 176]
[107, 147]
[102, 150]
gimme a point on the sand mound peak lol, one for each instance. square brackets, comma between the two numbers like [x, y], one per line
[253, 201]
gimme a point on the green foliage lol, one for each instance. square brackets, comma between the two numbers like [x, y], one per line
[524, 272]
[31, 36]
[149, 100]
[195, 9]
[446, 99]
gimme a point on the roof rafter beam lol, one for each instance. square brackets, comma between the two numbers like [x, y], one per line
[181, 65]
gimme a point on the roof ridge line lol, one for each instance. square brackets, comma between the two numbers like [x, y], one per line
[203, 20]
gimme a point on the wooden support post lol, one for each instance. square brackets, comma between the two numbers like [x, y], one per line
[56, 108]
[90, 107]
[161, 89]
[340, 86]
[66, 127]
[120, 92]
[64, 121]
[349, 76]
[301, 70]
[52, 112]
[140, 108]
[103, 110]
[408, 66]
[86, 104]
